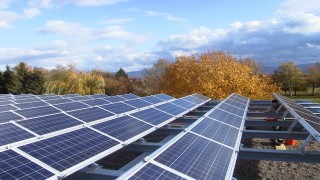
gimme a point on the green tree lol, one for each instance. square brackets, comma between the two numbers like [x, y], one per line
[289, 76]
[36, 82]
[23, 73]
[121, 73]
[154, 76]
[3, 89]
[313, 77]
[12, 83]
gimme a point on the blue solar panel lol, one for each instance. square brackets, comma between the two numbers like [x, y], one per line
[48, 124]
[152, 99]
[7, 108]
[184, 103]
[38, 111]
[71, 106]
[15, 166]
[200, 96]
[66, 150]
[232, 109]
[129, 96]
[8, 116]
[197, 157]
[10, 133]
[217, 131]
[80, 98]
[95, 96]
[59, 101]
[118, 108]
[123, 128]
[31, 105]
[226, 117]
[91, 114]
[236, 103]
[171, 108]
[193, 99]
[6, 102]
[151, 171]
[71, 95]
[163, 96]
[96, 102]
[138, 103]
[27, 100]
[152, 116]
[48, 97]
[114, 99]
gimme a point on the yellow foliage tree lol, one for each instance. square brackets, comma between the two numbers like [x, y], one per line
[67, 80]
[215, 74]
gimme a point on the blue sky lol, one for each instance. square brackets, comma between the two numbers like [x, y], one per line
[133, 34]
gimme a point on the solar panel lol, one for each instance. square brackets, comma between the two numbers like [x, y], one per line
[7, 108]
[197, 157]
[152, 99]
[10, 133]
[138, 103]
[27, 100]
[200, 96]
[217, 131]
[96, 102]
[70, 95]
[6, 102]
[95, 96]
[49, 97]
[71, 106]
[236, 103]
[67, 150]
[91, 114]
[226, 117]
[129, 96]
[232, 109]
[80, 98]
[59, 101]
[48, 124]
[123, 128]
[193, 99]
[38, 111]
[118, 108]
[152, 116]
[151, 171]
[184, 103]
[31, 105]
[114, 99]
[8, 116]
[15, 166]
[163, 96]
[310, 121]
[171, 109]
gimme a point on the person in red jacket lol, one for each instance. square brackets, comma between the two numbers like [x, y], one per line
[272, 109]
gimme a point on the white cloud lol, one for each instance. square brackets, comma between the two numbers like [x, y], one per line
[94, 2]
[165, 15]
[66, 28]
[31, 12]
[7, 17]
[4, 4]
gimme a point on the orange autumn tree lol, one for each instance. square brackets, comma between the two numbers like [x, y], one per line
[215, 74]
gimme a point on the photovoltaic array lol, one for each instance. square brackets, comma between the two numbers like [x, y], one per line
[305, 117]
[206, 150]
[50, 136]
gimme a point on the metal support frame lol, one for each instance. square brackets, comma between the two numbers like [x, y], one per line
[305, 143]
[279, 155]
[274, 134]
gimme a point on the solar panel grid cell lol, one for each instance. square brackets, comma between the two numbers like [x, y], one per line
[80, 98]
[171, 108]
[15, 166]
[152, 99]
[8, 116]
[217, 131]
[231, 109]
[151, 171]
[163, 96]
[129, 96]
[193, 99]
[67, 150]
[91, 114]
[152, 116]
[38, 111]
[226, 117]
[138, 103]
[6, 102]
[31, 105]
[96, 102]
[48, 124]
[59, 101]
[118, 108]
[7, 108]
[197, 157]
[10, 133]
[114, 99]
[27, 100]
[123, 128]
[200, 96]
[71, 106]
[183, 103]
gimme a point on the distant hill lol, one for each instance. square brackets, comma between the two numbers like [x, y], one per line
[136, 74]
[271, 69]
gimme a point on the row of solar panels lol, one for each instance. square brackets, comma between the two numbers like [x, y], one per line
[305, 117]
[59, 144]
[206, 150]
